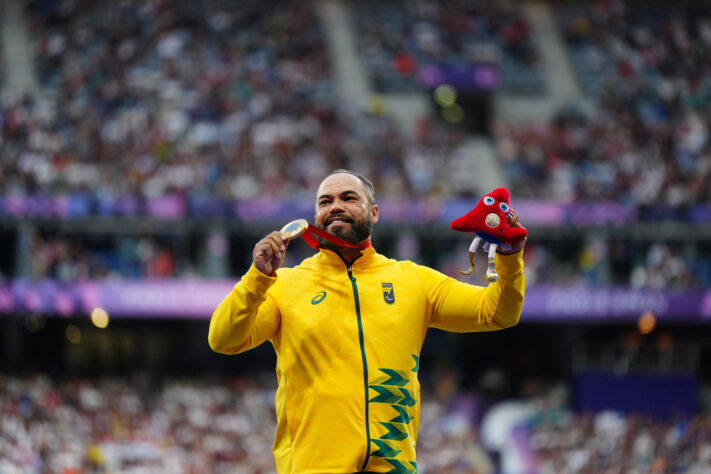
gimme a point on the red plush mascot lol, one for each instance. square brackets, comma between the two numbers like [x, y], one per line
[488, 220]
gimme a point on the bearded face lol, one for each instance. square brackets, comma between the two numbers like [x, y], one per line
[351, 229]
[344, 209]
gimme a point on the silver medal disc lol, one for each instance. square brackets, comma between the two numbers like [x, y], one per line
[492, 220]
[295, 228]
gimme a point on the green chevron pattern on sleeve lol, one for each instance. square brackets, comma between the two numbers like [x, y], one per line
[394, 433]
[403, 416]
[394, 378]
[399, 467]
[417, 363]
[406, 399]
[394, 388]
[384, 449]
[384, 395]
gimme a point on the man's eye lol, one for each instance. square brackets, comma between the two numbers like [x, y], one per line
[323, 203]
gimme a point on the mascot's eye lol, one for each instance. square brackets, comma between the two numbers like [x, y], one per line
[504, 207]
[488, 200]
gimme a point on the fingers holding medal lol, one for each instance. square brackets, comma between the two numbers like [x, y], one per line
[270, 252]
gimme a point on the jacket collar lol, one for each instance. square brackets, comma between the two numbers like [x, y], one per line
[330, 257]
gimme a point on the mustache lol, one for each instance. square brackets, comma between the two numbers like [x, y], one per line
[342, 217]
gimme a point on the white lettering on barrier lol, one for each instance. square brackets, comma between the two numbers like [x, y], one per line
[184, 299]
[570, 302]
[144, 299]
[604, 302]
[636, 302]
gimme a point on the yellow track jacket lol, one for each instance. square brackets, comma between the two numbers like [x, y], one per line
[348, 341]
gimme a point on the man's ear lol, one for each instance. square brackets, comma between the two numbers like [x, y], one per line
[374, 213]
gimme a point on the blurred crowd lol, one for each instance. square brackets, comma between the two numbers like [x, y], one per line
[647, 140]
[590, 262]
[187, 425]
[612, 442]
[657, 265]
[397, 37]
[114, 425]
[233, 101]
[197, 426]
[157, 98]
[76, 258]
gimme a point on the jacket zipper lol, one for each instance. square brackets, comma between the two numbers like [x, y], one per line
[365, 365]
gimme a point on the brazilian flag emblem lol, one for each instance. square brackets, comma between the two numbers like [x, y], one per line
[388, 293]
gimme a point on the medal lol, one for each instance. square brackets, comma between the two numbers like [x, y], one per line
[295, 228]
[301, 228]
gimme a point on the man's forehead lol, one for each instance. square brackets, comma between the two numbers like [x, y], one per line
[339, 183]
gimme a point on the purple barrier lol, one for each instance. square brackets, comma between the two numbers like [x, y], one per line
[658, 395]
[174, 298]
[169, 298]
[700, 214]
[466, 77]
[166, 207]
[551, 303]
[174, 206]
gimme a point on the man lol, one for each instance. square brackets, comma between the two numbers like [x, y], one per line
[347, 325]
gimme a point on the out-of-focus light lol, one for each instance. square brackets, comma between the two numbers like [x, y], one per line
[445, 95]
[646, 322]
[100, 318]
[377, 105]
[73, 334]
[453, 113]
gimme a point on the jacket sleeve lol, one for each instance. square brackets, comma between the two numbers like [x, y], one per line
[460, 307]
[247, 316]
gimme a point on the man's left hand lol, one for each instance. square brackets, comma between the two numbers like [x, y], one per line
[517, 246]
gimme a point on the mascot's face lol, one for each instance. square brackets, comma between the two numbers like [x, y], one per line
[498, 206]
[489, 219]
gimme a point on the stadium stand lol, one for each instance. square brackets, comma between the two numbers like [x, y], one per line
[660, 265]
[567, 442]
[175, 116]
[398, 37]
[601, 158]
[647, 142]
[75, 257]
[182, 425]
[615, 41]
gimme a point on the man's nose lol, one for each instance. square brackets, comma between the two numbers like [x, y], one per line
[337, 206]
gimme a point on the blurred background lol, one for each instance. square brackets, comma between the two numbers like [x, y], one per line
[147, 145]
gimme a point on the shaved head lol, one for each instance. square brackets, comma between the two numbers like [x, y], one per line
[368, 186]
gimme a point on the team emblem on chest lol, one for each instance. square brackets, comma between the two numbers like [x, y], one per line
[388, 293]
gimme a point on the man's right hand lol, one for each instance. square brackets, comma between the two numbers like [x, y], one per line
[269, 253]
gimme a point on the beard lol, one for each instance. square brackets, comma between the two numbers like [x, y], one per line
[355, 234]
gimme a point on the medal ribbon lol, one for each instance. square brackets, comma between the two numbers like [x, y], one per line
[311, 232]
